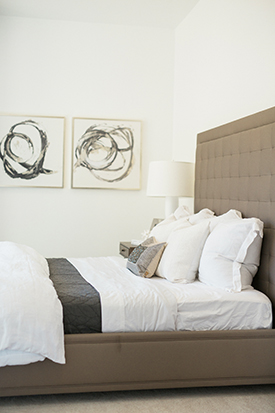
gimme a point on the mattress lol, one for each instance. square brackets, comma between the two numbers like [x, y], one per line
[131, 303]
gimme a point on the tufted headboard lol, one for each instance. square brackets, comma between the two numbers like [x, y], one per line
[235, 168]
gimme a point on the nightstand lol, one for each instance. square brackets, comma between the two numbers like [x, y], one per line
[125, 249]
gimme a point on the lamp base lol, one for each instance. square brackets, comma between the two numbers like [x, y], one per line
[171, 204]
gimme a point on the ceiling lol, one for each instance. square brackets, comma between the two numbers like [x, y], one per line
[148, 13]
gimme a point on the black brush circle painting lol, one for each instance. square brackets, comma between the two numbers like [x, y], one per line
[106, 154]
[23, 150]
[31, 150]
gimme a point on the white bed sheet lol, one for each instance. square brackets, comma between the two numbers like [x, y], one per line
[128, 302]
[131, 303]
[202, 307]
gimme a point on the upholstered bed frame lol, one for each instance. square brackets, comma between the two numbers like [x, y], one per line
[235, 168]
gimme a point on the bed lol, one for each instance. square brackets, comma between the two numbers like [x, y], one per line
[235, 168]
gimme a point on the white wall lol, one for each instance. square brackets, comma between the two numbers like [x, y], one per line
[224, 67]
[71, 69]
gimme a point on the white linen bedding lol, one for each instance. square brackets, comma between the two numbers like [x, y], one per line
[31, 320]
[132, 303]
[202, 308]
[31, 325]
[128, 302]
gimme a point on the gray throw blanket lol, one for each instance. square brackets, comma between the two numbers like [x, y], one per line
[80, 301]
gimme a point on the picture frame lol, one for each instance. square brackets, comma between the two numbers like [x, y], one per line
[106, 153]
[31, 151]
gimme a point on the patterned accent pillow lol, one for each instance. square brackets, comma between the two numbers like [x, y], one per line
[144, 259]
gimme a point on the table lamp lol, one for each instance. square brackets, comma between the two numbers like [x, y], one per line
[170, 179]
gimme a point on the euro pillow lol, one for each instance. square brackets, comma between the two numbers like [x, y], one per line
[180, 260]
[144, 259]
[231, 254]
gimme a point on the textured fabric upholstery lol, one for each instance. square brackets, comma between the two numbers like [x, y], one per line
[235, 168]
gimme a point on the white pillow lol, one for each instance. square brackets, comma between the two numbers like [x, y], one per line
[181, 212]
[177, 220]
[231, 214]
[200, 216]
[231, 254]
[162, 231]
[180, 260]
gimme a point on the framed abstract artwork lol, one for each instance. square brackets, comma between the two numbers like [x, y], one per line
[31, 151]
[106, 153]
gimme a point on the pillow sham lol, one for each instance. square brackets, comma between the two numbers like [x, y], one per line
[180, 260]
[144, 259]
[231, 255]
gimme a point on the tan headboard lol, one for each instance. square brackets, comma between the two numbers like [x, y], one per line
[235, 168]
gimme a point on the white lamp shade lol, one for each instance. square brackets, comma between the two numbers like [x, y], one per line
[171, 178]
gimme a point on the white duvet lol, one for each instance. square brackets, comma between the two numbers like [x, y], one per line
[31, 320]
